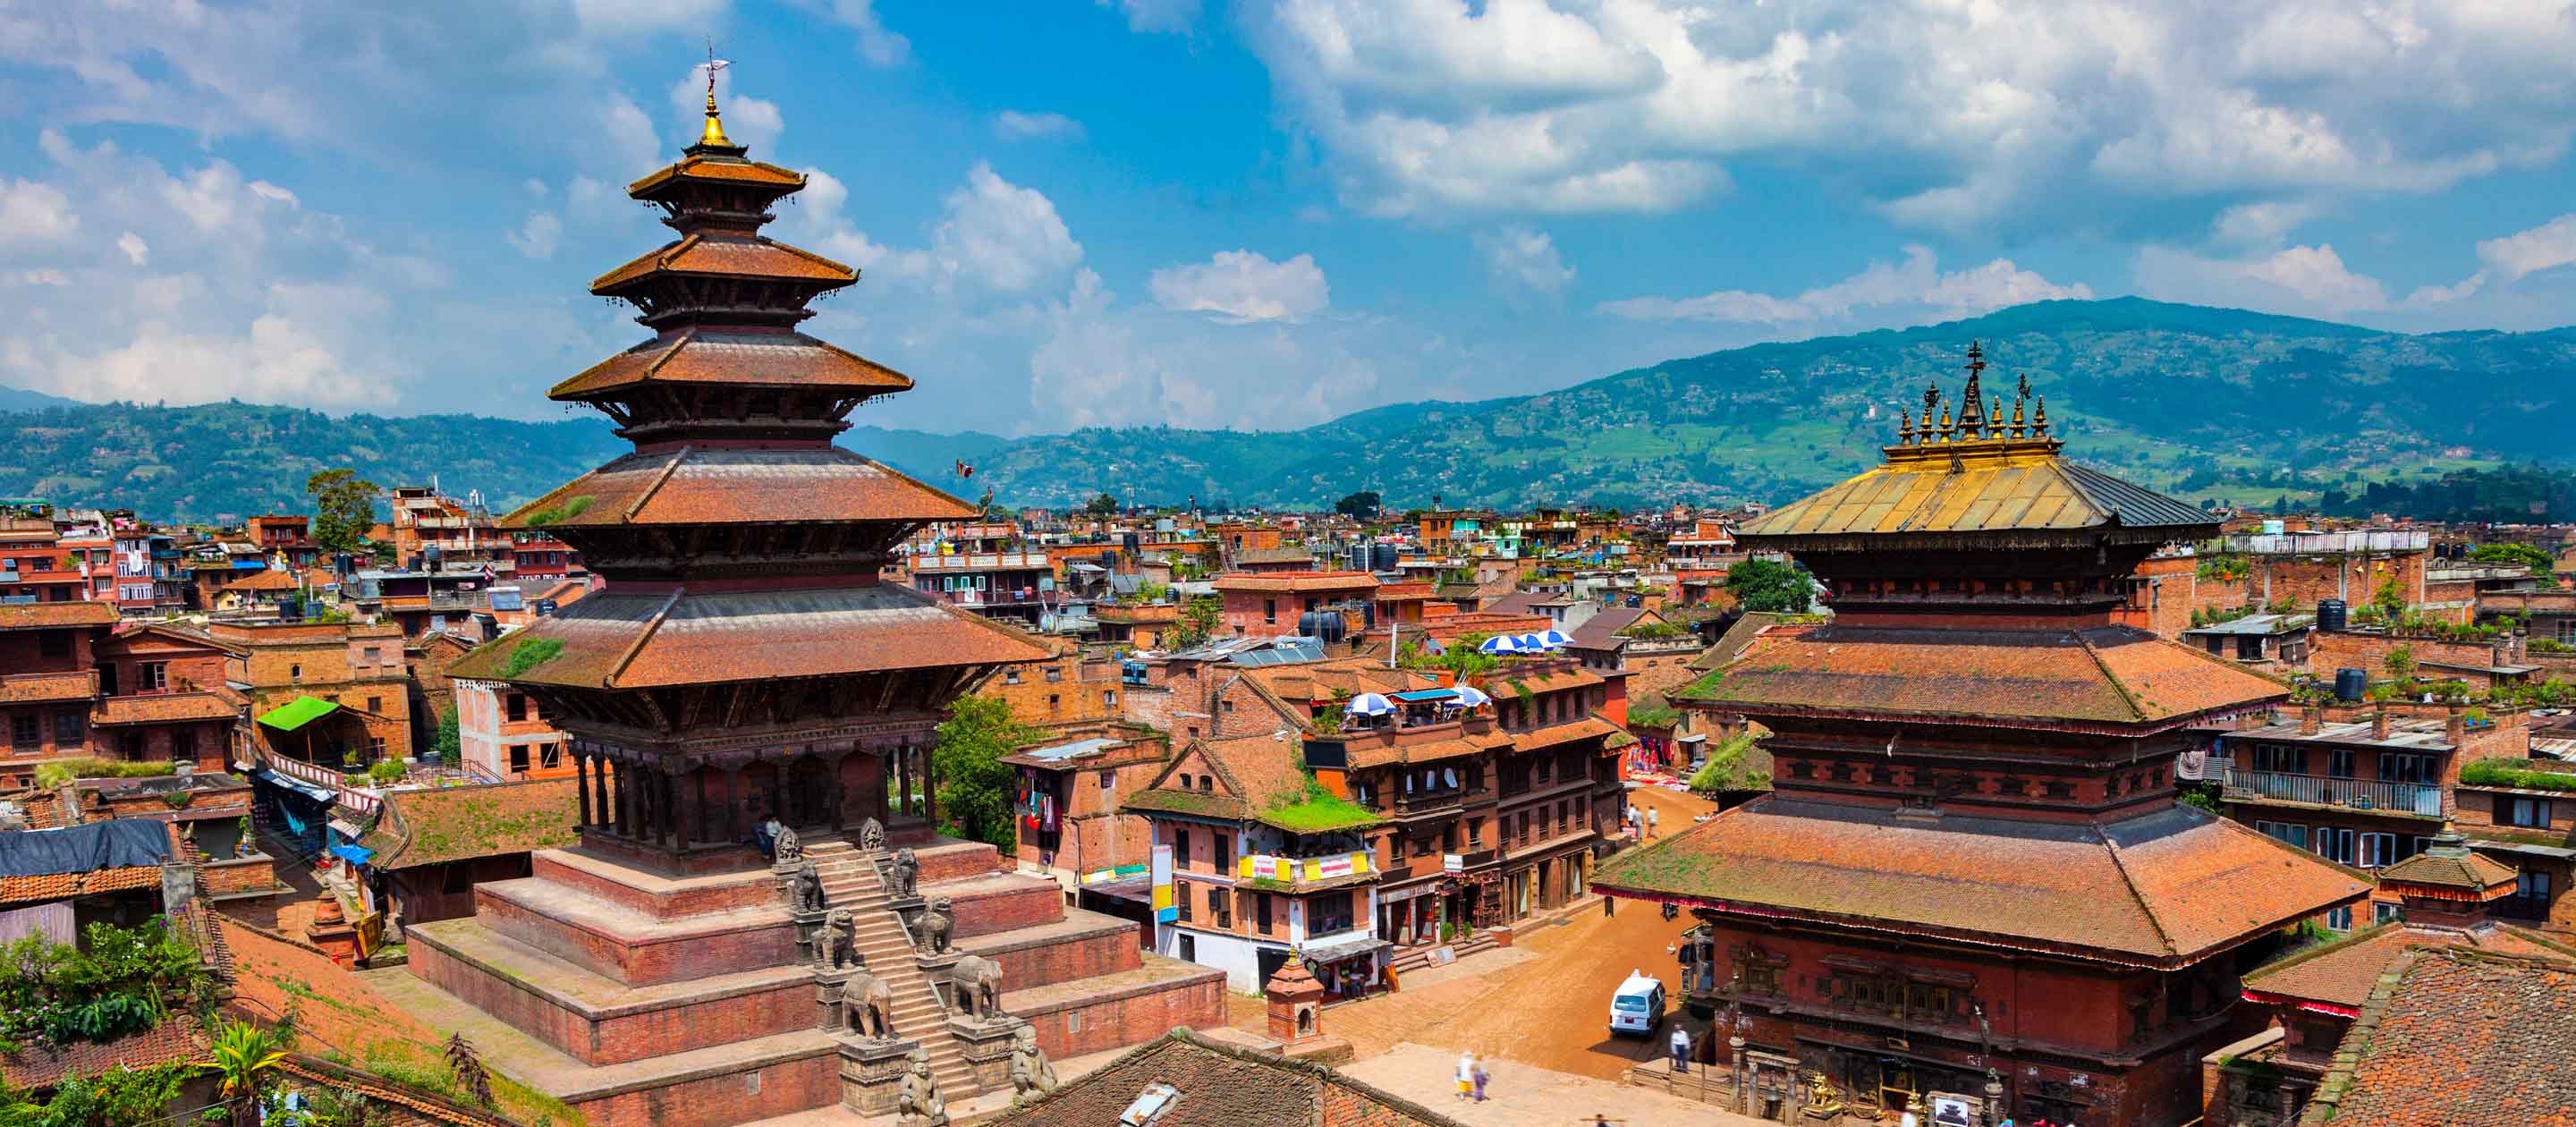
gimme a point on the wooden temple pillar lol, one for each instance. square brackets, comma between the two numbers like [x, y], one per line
[581, 784]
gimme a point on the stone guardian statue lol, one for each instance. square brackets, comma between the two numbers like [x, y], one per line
[1032, 1074]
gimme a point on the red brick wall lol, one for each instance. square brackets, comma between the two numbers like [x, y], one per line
[632, 1034]
[787, 1086]
[957, 861]
[769, 942]
[2301, 581]
[226, 876]
[754, 891]
[2333, 650]
[1128, 1017]
[985, 911]
[1046, 963]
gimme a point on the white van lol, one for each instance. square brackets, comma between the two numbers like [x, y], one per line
[1638, 1006]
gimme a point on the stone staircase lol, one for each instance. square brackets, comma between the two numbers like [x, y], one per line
[850, 881]
[1416, 958]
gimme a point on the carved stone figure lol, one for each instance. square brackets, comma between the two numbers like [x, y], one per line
[1032, 1074]
[808, 888]
[935, 926]
[872, 836]
[904, 875]
[868, 1004]
[842, 939]
[917, 1103]
[788, 847]
[979, 986]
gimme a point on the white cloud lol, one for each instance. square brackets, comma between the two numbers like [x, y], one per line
[1520, 259]
[41, 276]
[631, 143]
[1001, 236]
[539, 236]
[1244, 285]
[639, 17]
[2261, 223]
[1158, 16]
[879, 45]
[1915, 289]
[136, 250]
[35, 213]
[1013, 125]
[2550, 245]
[2308, 280]
[1947, 115]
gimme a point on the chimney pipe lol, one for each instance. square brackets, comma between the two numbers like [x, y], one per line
[2311, 718]
[2379, 724]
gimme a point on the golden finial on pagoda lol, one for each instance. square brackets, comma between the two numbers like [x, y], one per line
[2039, 421]
[1995, 417]
[1904, 426]
[2019, 401]
[1931, 396]
[1947, 429]
[713, 136]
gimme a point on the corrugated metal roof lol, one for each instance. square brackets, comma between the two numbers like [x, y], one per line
[1994, 486]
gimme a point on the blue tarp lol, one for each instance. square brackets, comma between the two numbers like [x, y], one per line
[1420, 696]
[356, 854]
[116, 844]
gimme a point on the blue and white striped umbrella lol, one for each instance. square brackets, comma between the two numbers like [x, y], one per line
[1470, 696]
[1531, 643]
[1555, 638]
[1500, 644]
[1369, 704]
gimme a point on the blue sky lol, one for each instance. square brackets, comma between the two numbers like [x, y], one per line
[1257, 215]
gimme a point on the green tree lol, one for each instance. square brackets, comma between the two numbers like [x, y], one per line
[245, 1058]
[1362, 505]
[1769, 585]
[1197, 621]
[344, 509]
[2400, 662]
[974, 783]
[2536, 561]
[1101, 506]
[448, 747]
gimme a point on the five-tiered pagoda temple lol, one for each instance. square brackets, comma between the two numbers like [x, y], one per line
[745, 663]
[1972, 877]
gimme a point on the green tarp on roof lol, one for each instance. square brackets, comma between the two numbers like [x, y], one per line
[297, 713]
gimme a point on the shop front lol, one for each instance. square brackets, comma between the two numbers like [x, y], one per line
[1350, 966]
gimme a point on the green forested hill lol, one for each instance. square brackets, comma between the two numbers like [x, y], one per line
[2205, 402]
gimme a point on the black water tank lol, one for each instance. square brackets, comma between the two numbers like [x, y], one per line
[1325, 624]
[1384, 555]
[2330, 614]
[2352, 684]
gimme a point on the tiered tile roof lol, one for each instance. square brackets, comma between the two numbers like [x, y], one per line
[2457, 1038]
[1221, 1085]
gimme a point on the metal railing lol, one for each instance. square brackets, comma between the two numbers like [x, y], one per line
[2355, 794]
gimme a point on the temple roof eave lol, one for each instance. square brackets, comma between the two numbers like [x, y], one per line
[698, 356]
[722, 486]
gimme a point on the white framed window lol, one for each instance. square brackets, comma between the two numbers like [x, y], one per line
[2377, 850]
[2384, 912]
[2334, 844]
[2284, 831]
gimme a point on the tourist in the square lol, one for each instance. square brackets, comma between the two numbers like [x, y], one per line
[1681, 1049]
[1481, 1076]
[1466, 1075]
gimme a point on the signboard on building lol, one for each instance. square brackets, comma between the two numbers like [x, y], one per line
[1165, 909]
[1453, 862]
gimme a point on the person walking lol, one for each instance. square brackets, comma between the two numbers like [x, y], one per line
[1481, 1077]
[1466, 1075]
[1681, 1050]
[1651, 829]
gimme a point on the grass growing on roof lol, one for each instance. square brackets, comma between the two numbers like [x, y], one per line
[528, 654]
[1313, 809]
[572, 507]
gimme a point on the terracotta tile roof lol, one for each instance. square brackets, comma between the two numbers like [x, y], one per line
[32, 688]
[44, 616]
[1601, 631]
[752, 359]
[734, 486]
[627, 639]
[177, 1037]
[2340, 974]
[440, 824]
[162, 709]
[2457, 1038]
[1295, 581]
[1221, 1086]
[263, 581]
[1921, 495]
[2112, 676]
[717, 169]
[2467, 874]
[1558, 735]
[1320, 681]
[2161, 889]
[727, 255]
[1738, 635]
[1404, 592]
[1426, 751]
[425, 1104]
[1506, 683]
[44, 888]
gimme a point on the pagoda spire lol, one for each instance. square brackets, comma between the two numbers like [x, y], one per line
[1973, 397]
[712, 138]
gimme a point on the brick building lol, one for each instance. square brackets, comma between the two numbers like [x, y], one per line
[1972, 877]
[431, 528]
[428, 848]
[1066, 797]
[1260, 603]
[352, 673]
[1065, 689]
[50, 680]
[163, 698]
[286, 540]
[503, 732]
[2520, 822]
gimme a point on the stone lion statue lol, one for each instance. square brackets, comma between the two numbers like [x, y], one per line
[808, 887]
[904, 875]
[936, 924]
[841, 937]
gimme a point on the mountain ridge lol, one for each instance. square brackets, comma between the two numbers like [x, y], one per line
[2204, 401]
